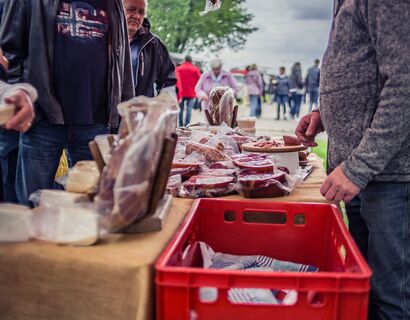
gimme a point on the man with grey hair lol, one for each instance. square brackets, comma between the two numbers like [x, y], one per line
[365, 109]
[153, 69]
[216, 77]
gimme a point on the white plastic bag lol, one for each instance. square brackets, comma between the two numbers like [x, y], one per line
[211, 5]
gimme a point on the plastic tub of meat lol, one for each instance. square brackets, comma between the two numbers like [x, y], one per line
[289, 160]
[303, 233]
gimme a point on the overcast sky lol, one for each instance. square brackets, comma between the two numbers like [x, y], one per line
[289, 31]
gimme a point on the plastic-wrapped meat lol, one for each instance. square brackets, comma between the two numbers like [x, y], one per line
[210, 153]
[110, 174]
[222, 104]
[207, 186]
[253, 161]
[174, 184]
[222, 165]
[218, 172]
[263, 185]
[257, 179]
[240, 140]
[127, 180]
[185, 172]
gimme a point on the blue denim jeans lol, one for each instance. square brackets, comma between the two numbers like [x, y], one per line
[314, 99]
[296, 102]
[259, 108]
[379, 221]
[281, 100]
[189, 103]
[254, 104]
[40, 152]
[9, 147]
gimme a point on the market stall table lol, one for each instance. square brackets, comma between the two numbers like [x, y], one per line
[112, 280]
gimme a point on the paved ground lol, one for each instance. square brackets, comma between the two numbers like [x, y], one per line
[266, 125]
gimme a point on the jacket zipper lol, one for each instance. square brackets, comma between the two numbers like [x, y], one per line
[140, 53]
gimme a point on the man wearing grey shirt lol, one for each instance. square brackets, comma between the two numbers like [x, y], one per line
[365, 109]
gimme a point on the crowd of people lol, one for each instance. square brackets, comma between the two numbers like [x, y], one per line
[288, 92]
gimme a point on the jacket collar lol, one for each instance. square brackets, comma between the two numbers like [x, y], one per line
[144, 33]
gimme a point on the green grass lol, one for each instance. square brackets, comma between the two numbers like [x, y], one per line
[321, 149]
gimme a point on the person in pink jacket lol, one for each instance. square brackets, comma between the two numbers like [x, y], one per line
[217, 77]
[254, 84]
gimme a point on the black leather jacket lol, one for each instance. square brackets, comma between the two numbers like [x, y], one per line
[27, 37]
[155, 65]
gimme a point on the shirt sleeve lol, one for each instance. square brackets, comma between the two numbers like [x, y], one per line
[14, 37]
[8, 90]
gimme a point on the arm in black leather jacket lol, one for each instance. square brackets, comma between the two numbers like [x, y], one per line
[14, 36]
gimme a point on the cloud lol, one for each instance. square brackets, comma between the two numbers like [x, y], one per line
[289, 31]
[310, 9]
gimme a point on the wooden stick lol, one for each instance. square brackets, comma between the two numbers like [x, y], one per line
[162, 174]
[111, 140]
[95, 152]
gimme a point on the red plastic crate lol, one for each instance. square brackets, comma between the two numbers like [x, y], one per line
[307, 233]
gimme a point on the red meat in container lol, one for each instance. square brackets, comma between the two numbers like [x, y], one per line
[257, 185]
[253, 161]
[208, 186]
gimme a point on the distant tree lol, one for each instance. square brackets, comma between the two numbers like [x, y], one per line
[180, 26]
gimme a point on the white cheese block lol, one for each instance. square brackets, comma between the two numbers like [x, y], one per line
[14, 223]
[77, 226]
[7, 111]
[83, 178]
[57, 198]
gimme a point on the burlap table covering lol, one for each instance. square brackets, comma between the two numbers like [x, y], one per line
[113, 280]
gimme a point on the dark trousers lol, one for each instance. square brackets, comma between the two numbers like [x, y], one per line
[9, 148]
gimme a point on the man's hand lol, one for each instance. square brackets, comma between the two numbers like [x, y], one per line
[3, 61]
[24, 111]
[338, 187]
[308, 128]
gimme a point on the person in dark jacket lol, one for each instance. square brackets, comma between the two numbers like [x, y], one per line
[365, 110]
[282, 91]
[153, 69]
[312, 85]
[76, 55]
[296, 90]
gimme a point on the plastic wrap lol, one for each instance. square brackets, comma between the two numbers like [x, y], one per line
[83, 178]
[174, 184]
[127, 180]
[14, 223]
[221, 104]
[207, 186]
[55, 198]
[252, 184]
[253, 161]
[76, 225]
[211, 5]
